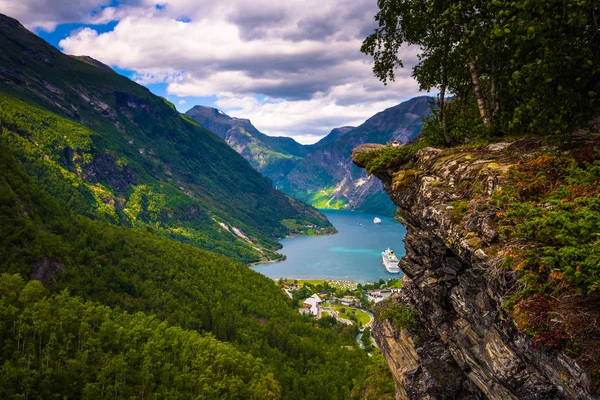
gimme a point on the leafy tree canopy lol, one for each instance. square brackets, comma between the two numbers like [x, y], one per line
[530, 67]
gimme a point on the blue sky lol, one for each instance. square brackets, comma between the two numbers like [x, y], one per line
[293, 68]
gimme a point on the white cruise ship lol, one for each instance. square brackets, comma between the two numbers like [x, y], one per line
[376, 221]
[390, 261]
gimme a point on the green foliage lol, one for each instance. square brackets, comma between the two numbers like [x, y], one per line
[463, 125]
[366, 338]
[136, 271]
[533, 67]
[379, 383]
[356, 315]
[394, 284]
[57, 345]
[388, 156]
[552, 203]
[403, 317]
[459, 208]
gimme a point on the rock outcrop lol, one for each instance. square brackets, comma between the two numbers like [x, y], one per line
[464, 344]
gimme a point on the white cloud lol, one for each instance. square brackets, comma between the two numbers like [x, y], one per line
[305, 120]
[46, 14]
[181, 102]
[301, 58]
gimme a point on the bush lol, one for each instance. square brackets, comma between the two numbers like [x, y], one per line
[403, 317]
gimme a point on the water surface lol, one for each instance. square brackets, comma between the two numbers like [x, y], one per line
[352, 254]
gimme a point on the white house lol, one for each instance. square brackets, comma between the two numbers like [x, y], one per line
[313, 304]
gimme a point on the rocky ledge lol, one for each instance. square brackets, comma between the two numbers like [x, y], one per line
[463, 344]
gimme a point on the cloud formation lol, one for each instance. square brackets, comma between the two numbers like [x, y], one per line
[293, 67]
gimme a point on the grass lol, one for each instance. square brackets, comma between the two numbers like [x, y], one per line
[323, 198]
[291, 224]
[316, 282]
[313, 282]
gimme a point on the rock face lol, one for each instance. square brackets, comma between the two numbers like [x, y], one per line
[465, 345]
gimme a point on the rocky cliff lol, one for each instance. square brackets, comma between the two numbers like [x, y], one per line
[449, 333]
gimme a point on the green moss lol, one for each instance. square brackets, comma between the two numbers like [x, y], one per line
[388, 156]
[404, 178]
[459, 208]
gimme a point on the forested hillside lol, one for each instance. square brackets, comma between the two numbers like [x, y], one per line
[134, 270]
[124, 155]
[96, 297]
[59, 345]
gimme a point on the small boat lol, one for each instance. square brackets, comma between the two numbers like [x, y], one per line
[376, 221]
[390, 261]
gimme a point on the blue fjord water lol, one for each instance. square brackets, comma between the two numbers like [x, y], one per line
[353, 254]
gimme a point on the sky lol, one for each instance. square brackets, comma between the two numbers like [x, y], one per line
[293, 67]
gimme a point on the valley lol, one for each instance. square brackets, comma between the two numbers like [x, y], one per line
[321, 174]
[241, 200]
[353, 254]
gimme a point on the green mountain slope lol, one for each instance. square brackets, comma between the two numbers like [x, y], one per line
[273, 156]
[53, 344]
[118, 153]
[85, 349]
[96, 298]
[328, 178]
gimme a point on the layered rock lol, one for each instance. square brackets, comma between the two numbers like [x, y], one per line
[464, 345]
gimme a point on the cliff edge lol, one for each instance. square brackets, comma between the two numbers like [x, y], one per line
[467, 324]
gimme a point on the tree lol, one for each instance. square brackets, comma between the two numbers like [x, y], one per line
[531, 66]
[366, 338]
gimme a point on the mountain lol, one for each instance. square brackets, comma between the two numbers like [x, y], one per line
[321, 174]
[273, 156]
[327, 177]
[334, 135]
[97, 179]
[115, 152]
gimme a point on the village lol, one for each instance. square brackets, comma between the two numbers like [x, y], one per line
[347, 302]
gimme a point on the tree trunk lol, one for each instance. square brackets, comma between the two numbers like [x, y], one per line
[494, 92]
[495, 106]
[481, 103]
[442, 114]
[442, 105]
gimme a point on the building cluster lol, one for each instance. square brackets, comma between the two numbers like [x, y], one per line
[378, 295]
